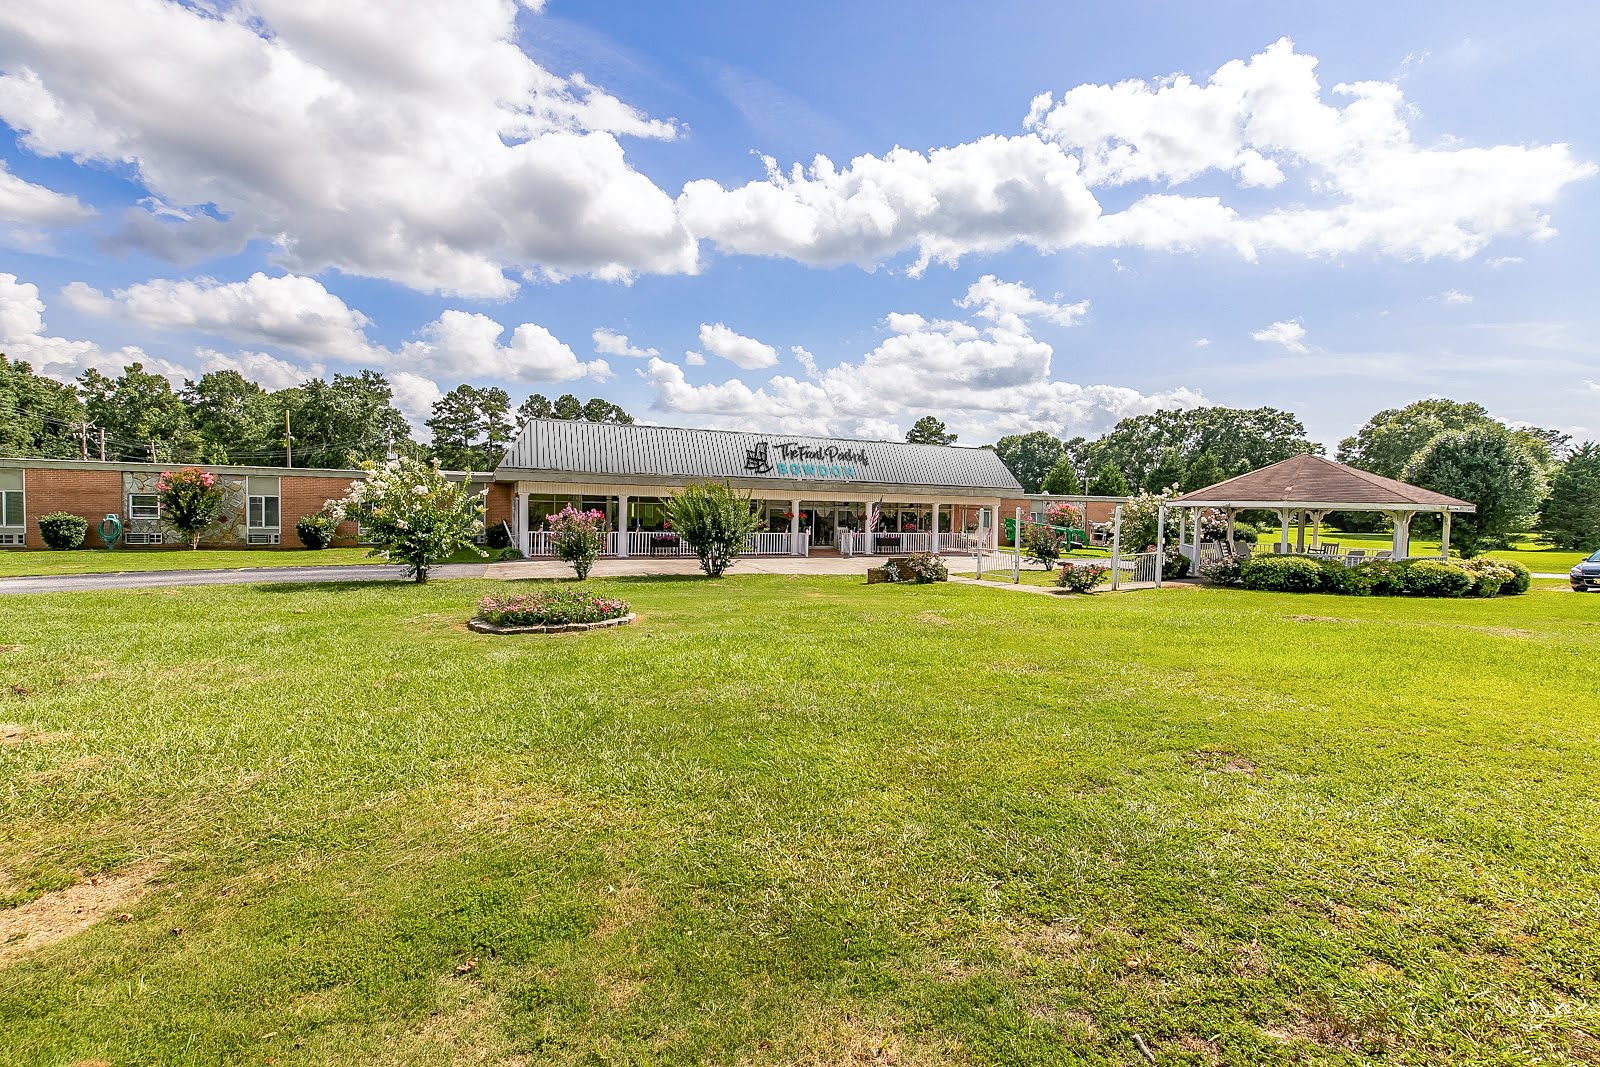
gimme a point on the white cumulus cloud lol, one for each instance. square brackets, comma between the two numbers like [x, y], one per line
[34, 205]
[736, 348]
[1455, 296]
[460, 344]
[1290, 334]
[410, 141]
[610, 343]
[985, 376]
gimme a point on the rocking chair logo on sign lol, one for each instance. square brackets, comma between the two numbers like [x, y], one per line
[804, 461]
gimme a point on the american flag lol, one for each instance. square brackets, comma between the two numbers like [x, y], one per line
[873, 514]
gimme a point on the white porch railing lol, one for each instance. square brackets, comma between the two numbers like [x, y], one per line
[888, 544]
[769, 544]
[659, 544]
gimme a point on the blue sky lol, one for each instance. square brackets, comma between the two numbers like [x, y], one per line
[472, 198]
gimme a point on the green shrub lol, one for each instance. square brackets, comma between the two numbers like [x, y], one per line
[715, 520]
[1224, 570]
[1489, 577]
[1282, 574]
[919, 569]
[1388, 576]
[1082, 577]
[1245, 534]
[1521, 579]
[63, 530]
[1434, 577]
[1175, 565]
[316, 530]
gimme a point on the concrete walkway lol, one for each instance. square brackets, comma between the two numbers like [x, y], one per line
[543, 568]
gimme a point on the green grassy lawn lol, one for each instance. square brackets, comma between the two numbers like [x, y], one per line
[802, 820]
[14, 562]
[1535, 555]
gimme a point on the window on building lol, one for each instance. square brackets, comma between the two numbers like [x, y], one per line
[144, 506]
[262, 502]
[13, 525]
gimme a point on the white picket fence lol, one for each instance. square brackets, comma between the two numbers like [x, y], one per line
[1138, 567]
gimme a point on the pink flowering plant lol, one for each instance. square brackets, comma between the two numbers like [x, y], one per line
[414, 515]
[190, 501]
[1082, 577]
[578, 537]
[554, 606]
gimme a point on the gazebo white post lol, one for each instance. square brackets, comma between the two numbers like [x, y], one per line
[1194, 522]
[1116, 546]
[622, 525]
[1300, 536]
[1444, 539]
[1230, 512]
[1161, 542]
[1283, 533]
[1183, 528]
[1401, 546]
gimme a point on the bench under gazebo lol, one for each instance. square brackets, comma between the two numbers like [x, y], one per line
[1308, 487]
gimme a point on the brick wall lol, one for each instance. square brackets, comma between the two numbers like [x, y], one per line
[92, 494]
[501, 501]
[302, 495]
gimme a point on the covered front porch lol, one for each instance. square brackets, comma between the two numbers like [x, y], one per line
[791, 526]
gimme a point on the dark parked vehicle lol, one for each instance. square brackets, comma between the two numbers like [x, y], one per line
[1586, 575]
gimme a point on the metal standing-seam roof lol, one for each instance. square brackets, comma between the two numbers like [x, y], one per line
[586, 450]
[1307, 480]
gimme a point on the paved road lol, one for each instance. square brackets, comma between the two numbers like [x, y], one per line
[605, 568]
[66, 583]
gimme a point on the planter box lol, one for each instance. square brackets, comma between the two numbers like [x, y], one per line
[483, 626]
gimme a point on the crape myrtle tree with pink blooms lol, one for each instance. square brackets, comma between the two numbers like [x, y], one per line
[577, 537]
[190, 501]
[413, 514]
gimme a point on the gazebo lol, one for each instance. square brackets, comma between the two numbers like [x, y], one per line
[1309, 487]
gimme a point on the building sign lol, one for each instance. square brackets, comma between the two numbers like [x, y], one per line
[790, 459]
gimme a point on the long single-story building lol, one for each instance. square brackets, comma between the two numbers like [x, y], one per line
[260, 505]
[814, 494]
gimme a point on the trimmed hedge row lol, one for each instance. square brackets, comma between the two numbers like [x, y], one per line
[1381, 577]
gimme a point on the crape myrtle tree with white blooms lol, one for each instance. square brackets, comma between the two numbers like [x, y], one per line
[415, 515]
[715, 520]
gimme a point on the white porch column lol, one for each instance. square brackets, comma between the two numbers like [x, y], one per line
[935, 526]
[868, 529]
[519, 522]
[1283, 534]
[794, 527]
[1444, 538]
[622, 524]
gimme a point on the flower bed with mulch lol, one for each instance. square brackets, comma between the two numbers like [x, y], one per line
[549, 611]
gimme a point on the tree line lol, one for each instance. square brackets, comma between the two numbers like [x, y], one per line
[222, 417]
[1522, 478]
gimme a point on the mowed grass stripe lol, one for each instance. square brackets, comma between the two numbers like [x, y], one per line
[800, 819]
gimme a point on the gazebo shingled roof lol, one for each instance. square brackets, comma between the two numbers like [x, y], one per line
[1312, 482]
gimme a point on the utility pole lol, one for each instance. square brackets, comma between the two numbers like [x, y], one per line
[152, 450]
[288, 442]
[102, 445]
[83, 440]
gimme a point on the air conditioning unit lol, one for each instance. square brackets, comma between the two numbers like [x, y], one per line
[138, 537]
[262, 537]
[12, 540]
